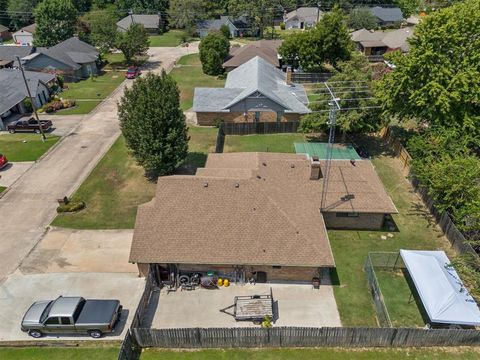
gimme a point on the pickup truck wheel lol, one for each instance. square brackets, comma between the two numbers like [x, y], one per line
[11, 131]
[96, 334]
[37, 131]
[35, 333]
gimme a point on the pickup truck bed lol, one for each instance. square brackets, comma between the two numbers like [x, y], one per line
[97, 312]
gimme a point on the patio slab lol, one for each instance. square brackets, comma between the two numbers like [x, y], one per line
[294, 304]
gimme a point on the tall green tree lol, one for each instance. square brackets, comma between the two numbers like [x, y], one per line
[410, 7]
[56, 20]
[328, 42]
[132, 42]
[103, 29]
[439, 80]
[353, 80]
[184, 13]
[20, 12]
[153, 124]
[5, 19]
[362, 18]
[143, 6]
[214, 49]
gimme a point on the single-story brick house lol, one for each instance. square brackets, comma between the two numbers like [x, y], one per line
[266, 49]
[302, 18]
[153, 24]
[13, 91]
[72, 58]
[381, 42]
[251, 213]
[256, 91]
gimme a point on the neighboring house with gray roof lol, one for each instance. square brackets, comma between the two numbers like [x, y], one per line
[302, 18]
[254, 92]
[9, 53]
[381, 42]
[72, 58]
[387, 16]
[24, 36]
[4, 33]
[13, 91]
[152, 23]
[238, 27]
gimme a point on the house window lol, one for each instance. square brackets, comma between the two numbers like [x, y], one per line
[276, 267]
[347, 214]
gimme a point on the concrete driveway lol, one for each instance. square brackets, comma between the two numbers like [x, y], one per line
[65, 250]
[18, 292]
[13, 171]
[166, 57]
[295, 305]
[32, 200]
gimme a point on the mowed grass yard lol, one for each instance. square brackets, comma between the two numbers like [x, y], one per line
[111, 353]
[118, 185]
[188, 74]
[171, 38]
[25, 147]
[90, 92]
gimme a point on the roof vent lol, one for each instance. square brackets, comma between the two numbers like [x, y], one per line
[264, 164]
[292, 166]
[237, 185]
[205, 184]
[352, 161]
[259, 177]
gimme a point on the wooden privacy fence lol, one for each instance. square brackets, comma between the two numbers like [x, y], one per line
[144, 300]
[303, 337]
[129, 350]
[443, 218]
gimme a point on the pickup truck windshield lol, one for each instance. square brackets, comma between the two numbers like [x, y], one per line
[78, 310]
[46, 312]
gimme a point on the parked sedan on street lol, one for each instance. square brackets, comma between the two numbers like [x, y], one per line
[71, 315]
[3, 161]
[29, 125]
[133, 72]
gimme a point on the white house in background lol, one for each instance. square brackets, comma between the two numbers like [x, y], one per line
[24, 36]
[302, 18]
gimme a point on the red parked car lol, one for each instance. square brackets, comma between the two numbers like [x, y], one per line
[3, 161]
[133, 72]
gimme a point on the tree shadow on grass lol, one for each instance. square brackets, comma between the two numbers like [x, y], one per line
[193, 161]
[417, 209]
[375, 145]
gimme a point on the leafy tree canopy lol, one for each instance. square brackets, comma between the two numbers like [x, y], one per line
[214, 49]
[132, 42]
[56, 20]
[21, 12]
[328, 42]
[102, 26]
[439, 80]
[184, 13]
[409, 7]
[143, 6]
[153, 124]
[362, 18]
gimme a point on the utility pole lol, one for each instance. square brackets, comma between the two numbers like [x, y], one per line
[332, 122]
[130, 12]
[32, 100]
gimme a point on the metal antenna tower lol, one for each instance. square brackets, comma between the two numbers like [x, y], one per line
[332, 122]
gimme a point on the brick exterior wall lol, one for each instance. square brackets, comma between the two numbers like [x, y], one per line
[282, 274]
[211, 118]
[365, 221]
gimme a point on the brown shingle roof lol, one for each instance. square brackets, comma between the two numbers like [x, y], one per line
[250, 209]
[266, 49]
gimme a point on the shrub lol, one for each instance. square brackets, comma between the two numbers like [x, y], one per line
[68, 103]
[61, 80]
[72, 206]
[267, 322]
[57, 105]
[28, 105]
[225, 30]
[282, 26]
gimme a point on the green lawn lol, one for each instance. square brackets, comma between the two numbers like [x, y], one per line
[25, 147]
[112, 193]
[2, 189]
[90, 92]
[314, 354]
[58, 353]
[169, 39]
[262, 143]
[188, 74]
[403, 311]
[350, 248]
[117, 185]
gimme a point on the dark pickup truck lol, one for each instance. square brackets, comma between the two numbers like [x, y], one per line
[71, 315]
[29, 125]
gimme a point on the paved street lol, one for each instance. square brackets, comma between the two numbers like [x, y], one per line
[30, 203]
